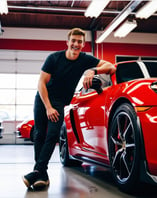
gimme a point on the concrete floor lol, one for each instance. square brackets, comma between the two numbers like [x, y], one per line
[86, 182]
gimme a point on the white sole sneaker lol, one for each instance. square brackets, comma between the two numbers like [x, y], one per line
[26, 182]
[41, 184]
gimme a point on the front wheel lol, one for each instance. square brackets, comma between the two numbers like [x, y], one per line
[124, 148]
[63, 149]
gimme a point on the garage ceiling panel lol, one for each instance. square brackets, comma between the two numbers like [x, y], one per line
[69, 14]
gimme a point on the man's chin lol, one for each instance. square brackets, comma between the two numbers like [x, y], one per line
[75, 53]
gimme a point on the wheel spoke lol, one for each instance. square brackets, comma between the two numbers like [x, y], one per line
[116, 142]
[62, 139]
[126, 130]
[62, 151]
[131, 145]
[119, 128]
[62, 145]
[126, 166]
[117, 151]
[116, 157]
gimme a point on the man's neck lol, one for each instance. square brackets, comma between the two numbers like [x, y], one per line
[71, 56]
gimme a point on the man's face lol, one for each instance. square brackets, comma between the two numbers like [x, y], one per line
[75, 44]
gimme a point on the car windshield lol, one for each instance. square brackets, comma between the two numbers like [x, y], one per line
[135, 70]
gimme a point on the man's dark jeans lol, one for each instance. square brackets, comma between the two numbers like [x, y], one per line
[46, 133]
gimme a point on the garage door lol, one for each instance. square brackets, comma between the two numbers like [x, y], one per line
[19, 72]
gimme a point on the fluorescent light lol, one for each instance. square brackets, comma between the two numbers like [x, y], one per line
[96, 7]
[3, 7]
[125, 28]
[147, 10]
[118, 20]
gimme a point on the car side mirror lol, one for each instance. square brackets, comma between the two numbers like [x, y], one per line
[96, 84]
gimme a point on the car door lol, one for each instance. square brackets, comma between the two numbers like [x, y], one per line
[89, 112]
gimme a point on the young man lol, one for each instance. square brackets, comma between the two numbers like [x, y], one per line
[58, 79]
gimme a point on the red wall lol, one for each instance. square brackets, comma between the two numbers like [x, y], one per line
[42, 45]
[107, 51]
[110, 50]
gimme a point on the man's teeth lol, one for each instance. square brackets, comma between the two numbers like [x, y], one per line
[75, 48]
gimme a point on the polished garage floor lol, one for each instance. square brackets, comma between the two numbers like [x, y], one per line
[86, 182]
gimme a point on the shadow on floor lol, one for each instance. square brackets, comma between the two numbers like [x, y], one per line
[103, 178]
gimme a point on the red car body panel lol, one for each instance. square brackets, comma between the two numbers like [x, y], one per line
[149, 128]
[89, 114]
[25, 128]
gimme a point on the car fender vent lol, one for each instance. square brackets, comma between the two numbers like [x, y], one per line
[73, 126]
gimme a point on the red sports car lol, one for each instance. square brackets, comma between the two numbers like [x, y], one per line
[26, 130]
[114, 124]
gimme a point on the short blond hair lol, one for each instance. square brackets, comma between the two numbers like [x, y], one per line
[76, 31]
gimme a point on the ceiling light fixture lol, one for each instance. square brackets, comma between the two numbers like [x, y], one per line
[147, 10]
[125, 28]
[95, 8]
[118, 20]
[3, 7]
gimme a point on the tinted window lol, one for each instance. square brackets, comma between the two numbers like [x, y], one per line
[128, 71]
[152, 68]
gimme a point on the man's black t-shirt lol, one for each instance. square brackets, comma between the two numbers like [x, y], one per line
[65, 74]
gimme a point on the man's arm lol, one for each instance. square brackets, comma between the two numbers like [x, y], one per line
[52, 113]
[101, 68]
[105, 67]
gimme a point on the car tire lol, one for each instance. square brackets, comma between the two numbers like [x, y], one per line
[63, 149]
[124, 153]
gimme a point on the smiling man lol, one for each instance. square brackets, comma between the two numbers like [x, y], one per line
[57, 82]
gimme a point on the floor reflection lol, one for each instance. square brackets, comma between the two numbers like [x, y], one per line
[87, 181]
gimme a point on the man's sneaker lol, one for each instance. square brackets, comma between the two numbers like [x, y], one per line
[42, 181]
[30, 178]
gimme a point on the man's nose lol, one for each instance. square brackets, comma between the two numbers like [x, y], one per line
[76, 42]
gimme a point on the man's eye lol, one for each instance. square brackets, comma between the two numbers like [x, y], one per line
[79, 42]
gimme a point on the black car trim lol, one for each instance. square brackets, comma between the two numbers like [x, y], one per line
[94, 151]
[89, 160]
[73, 126]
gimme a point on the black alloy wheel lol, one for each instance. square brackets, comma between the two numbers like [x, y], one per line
[124, 148]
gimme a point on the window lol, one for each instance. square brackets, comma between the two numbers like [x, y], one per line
[17, 95]
[152, 68]
[121, 58]
[128, 71]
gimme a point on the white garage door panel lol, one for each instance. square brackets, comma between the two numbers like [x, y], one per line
[29, 67]
[32, 55]
[7, 55]
[29, 62]
[7, 66]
